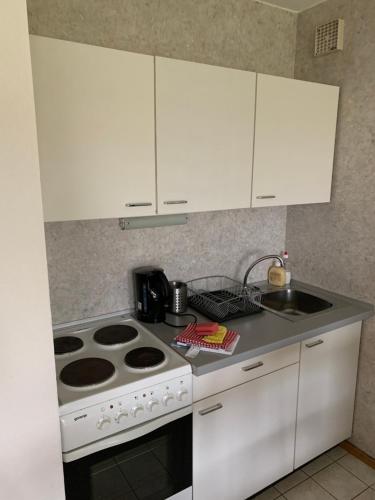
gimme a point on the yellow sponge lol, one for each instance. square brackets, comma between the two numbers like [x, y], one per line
[218, 337]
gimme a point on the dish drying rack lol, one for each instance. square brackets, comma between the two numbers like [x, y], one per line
[221, 298]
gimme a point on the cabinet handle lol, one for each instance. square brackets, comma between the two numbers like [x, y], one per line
[266, 197]
[140, 204]
[313, 344]
[252, 367]
[210, 409]
[175, 202]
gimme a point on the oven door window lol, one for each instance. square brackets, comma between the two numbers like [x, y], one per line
[155, 466]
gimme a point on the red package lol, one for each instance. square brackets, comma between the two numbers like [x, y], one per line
[206, 328]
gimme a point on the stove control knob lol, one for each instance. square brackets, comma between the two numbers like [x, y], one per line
[181, 394]
[119, 415]
[103, 421]
[152, 403]
[167, 398]
[136, 410]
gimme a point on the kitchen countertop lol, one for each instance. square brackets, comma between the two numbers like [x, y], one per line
[266, 331]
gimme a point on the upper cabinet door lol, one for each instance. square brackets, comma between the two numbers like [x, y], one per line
[204, 131]
[294, 141]
[95, 118]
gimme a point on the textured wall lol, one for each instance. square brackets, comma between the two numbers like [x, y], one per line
[333, 245]
[89, 262]
[236, 33]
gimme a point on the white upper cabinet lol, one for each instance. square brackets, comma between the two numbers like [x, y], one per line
[96, 133]
[99, 112]
[204, 130]
[294, 141]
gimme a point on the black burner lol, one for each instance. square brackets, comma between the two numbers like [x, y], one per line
[144, 357]
[87, 371]
[63, 345]
[115, 334]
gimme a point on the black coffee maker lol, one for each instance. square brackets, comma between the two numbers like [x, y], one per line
[152, 291]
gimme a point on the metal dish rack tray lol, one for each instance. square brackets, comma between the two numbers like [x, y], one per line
[221, 298]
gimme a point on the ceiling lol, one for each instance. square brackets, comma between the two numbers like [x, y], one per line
[292, 5]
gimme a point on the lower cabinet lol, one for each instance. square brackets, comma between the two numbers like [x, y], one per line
[251, 435]
[243, 438]
[327, 382]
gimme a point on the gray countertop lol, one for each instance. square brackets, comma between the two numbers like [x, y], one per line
[266, 331]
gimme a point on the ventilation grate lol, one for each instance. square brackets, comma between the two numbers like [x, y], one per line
[329, 37]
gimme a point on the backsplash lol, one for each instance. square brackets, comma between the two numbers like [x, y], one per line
[90, 262]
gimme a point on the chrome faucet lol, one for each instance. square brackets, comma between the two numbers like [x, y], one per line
[261, 259]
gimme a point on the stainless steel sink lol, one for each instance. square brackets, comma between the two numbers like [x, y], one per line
[294, 302]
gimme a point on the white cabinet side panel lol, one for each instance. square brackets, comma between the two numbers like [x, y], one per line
[30, 456]
[95, 118]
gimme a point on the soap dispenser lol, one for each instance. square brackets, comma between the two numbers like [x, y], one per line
[276, 274]
[288, 273]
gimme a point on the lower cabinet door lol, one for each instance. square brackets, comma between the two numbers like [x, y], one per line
[243, 438]
[328, 373]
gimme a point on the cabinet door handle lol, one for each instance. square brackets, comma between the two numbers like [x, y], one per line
[210, 409]
[313, 344]
[139, 204]
[175, 202]
[252, 367]
[266, 197]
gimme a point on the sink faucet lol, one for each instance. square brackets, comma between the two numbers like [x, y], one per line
[261, 259]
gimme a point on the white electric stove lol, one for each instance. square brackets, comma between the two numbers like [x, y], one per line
[116, 381]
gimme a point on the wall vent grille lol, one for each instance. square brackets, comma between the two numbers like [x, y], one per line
[329, 37]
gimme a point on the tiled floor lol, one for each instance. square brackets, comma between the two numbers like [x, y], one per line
[333, 475]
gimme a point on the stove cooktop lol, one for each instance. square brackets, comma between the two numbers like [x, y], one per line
[94, 361]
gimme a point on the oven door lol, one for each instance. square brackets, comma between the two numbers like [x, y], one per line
[156, 465]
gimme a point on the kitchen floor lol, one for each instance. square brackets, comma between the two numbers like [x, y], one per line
[334, 475]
